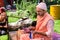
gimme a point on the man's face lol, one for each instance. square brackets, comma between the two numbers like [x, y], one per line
[39, 11]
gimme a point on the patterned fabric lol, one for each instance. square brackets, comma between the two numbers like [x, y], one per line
[24, 37]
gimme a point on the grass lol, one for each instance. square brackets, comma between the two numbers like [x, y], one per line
[12, 19]
[4, 37]
[57, 26]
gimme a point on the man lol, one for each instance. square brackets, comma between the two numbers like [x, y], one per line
[45, 23]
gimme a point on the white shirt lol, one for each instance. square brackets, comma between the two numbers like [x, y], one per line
[50, 27]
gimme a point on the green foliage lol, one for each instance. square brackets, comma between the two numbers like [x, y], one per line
[24, 9]
[4, 37]
[23, 13]
[28, 8]
[12, 19]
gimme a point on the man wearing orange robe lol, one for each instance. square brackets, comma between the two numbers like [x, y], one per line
[45, 23]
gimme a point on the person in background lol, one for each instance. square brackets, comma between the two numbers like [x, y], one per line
[3, 22]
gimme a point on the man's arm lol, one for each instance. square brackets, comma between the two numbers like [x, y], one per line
[50, 26]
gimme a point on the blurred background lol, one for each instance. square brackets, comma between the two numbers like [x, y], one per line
[17, 9]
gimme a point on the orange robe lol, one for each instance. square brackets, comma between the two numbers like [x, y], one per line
[42, 26]
[24, 37]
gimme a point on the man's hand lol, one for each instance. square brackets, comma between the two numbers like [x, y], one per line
[40, 33]
[32, 28]
[26, 30]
